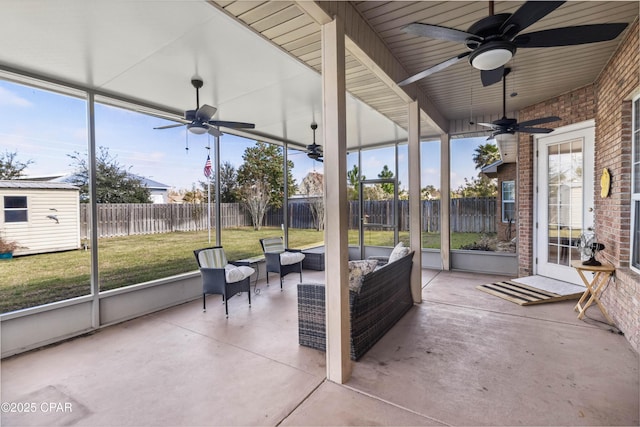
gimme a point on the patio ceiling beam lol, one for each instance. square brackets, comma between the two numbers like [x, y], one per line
[365, 44]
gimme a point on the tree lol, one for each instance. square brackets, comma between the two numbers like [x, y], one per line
[264, 163]
[229, 187]
[387, 187]
[312, 186]
[10, 168]
[430, 192]
[114, 183]
[478, 187]
[256, 198]
[354, 182]
[485, 154]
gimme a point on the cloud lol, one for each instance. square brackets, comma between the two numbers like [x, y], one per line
[8, 98]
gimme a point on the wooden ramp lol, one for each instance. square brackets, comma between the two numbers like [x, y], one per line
[522, 294]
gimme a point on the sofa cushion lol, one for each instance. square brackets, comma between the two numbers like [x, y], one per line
[398, 252]
[357, 270]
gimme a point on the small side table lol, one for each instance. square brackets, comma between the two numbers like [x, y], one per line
[253, 263]
[594, 287]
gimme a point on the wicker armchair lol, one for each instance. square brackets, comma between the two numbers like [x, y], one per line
[280, 259]
[221, 277]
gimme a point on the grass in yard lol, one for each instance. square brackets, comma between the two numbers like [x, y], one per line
[32, 280]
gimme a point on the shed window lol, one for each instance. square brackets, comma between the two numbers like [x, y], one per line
[508, 201]
[15, 209]
[635, 188]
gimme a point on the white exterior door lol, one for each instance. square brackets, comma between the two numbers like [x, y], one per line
[564, 199]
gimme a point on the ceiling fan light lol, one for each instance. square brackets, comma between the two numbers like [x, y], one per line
[197, 128]
[492, 55]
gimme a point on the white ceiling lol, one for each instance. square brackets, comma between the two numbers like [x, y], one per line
[260, 60]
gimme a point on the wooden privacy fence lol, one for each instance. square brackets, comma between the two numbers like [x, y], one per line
[467, 215]
[124, 219]
[470, 215]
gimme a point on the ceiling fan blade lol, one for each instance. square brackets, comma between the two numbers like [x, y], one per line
[539, 121]
[570, 36]
[205, 113]
[489, 125]
[232, 125]
[214, 131]
[498, 132]
[171, 126]
[490, 77]
[534, 130]
[434, 69]
[527, 15]
[438, 32]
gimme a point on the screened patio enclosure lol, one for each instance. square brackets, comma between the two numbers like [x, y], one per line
[282, 66]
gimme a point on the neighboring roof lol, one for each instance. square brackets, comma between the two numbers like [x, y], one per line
[492, 168]
[151, 184]
[40, 185]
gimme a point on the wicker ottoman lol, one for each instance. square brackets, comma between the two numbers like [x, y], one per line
[313, 259]
[311, 315]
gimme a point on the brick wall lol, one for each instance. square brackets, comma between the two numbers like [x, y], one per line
[608, 102]
[617, 83]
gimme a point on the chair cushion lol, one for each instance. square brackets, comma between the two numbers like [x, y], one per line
[236, 274]
[357, 270]
[398, 252]
[212, 258]
[288, 258]
[273, 244]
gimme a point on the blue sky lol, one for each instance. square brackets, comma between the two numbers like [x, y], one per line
[46, 128]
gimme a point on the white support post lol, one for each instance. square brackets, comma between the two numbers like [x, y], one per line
[335, 190]
[93, 206]
[445, 201]
[415, 215]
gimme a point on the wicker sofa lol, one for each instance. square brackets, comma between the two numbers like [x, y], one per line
[384, 297]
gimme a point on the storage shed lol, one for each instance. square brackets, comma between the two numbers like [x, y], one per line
[40, 216]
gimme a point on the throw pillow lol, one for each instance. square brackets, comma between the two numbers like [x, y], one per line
[358, 269]
[398, 252]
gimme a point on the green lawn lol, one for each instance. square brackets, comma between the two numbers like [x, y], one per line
[33, 280]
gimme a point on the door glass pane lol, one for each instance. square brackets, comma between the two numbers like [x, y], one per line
[565, 200]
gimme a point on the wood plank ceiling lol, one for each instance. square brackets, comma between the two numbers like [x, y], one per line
[456, 92]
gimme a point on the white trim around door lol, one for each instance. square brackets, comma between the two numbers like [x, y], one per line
[563, 198]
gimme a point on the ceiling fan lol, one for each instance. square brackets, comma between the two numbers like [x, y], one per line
[314, 151]
[492, 41]
[505, 125]
[199, 121]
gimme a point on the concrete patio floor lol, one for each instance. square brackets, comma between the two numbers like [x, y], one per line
[462, 357]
